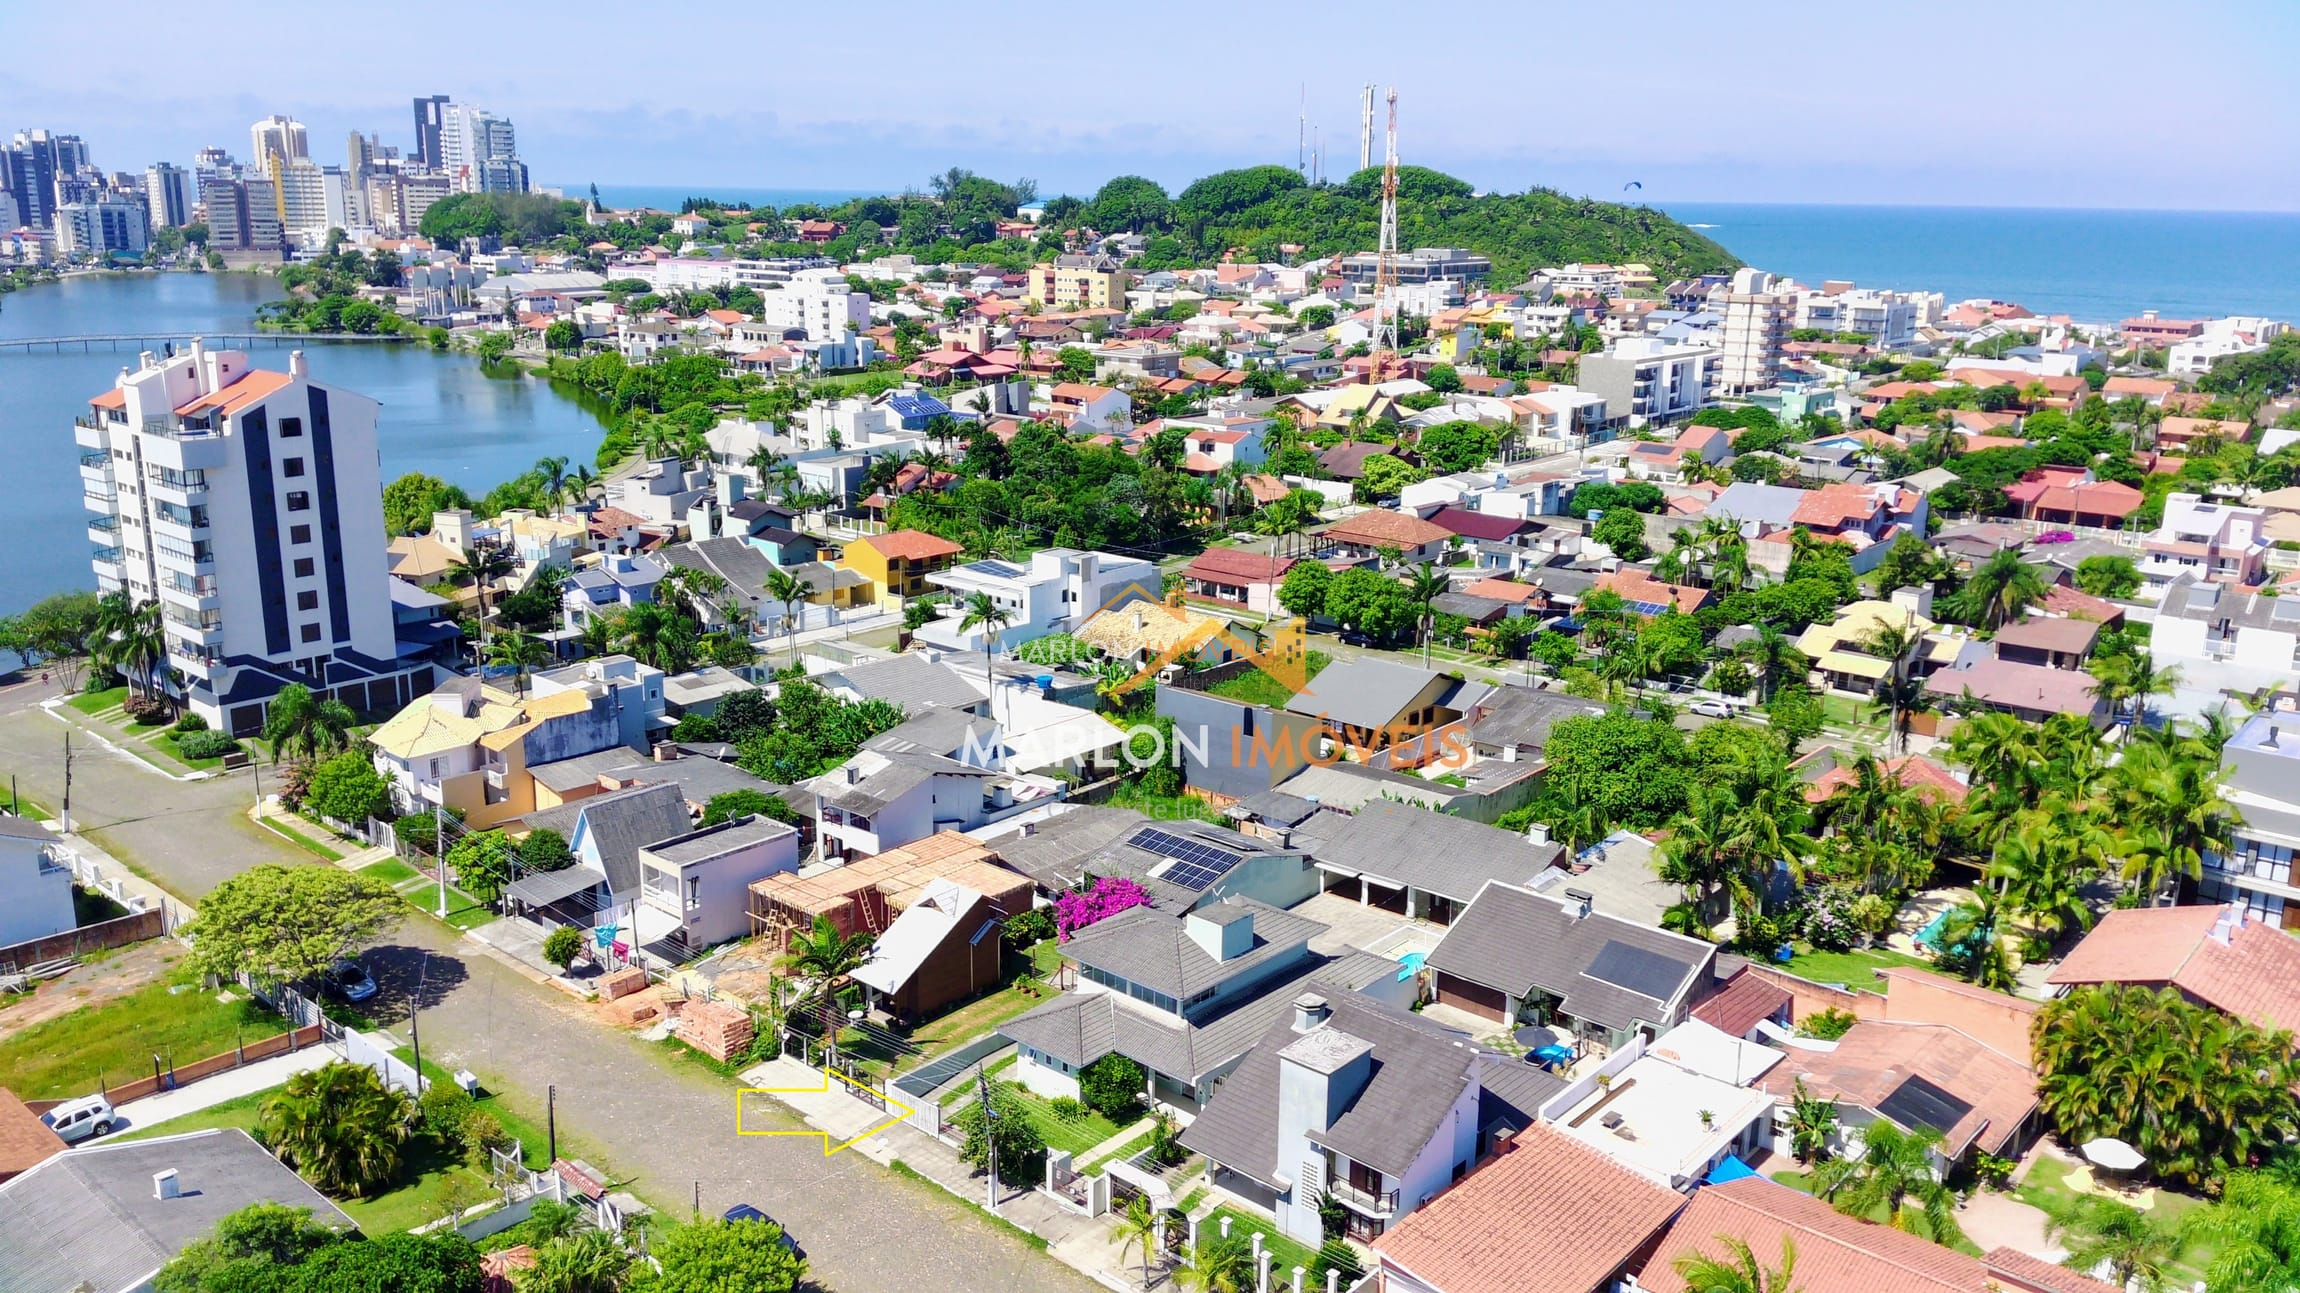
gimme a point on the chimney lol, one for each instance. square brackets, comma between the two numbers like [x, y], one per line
[666, 751]
[1284, 835]
[1029, 829]
[1139, 622]
[1580, 902]
[165, 1185]
[1538, 832]
[847, 771]
[296, 366]
[1310, 1010]
[1221, 931]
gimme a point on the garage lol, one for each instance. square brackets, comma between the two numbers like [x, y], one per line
[1461, 994]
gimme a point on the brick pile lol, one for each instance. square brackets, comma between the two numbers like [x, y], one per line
[622, 983]
[716, 1029]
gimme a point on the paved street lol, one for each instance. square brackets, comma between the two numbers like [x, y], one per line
[663, 1126]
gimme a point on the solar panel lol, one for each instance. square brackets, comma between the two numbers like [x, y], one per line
[1195, 864]
[1918, 1103]
[2287, 608]
[1648, 608]
[1646, 973]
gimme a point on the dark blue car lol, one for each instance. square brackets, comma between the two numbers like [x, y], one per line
[745, 1212]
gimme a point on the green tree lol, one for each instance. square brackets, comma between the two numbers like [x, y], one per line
[1113, 1086]
[730, 804]
[1138, 1229]
[562, 945]
[563, 334]
[517, 651]
[590, 1262]
[1812, 1124]
[348, 789]
[1624, 533]
[2002, 589]
[245, 1250]
[2108, 576]
[1739, 1271]
[1076, 363]
[982, 611]
[789, 590]
[2255, 1235]
[482, 863]
[340, 1127]
[1384, 475]
[434, 1263]
[1423, 587]
[2137, 1250]
[1795, 715]
[1894, 1175]
[1015, 1137]
[305, 728]
[409, 501]
[287, 923]
[1457, 446]
[724, 1257]
[824, 957]
[545, 849]
[1217, 1264]
[1303, 591]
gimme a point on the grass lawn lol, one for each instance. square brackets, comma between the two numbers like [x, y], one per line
[1127, 1150]
[1804, 1181]
[114, 1042]
[239, 1111]
[1046, 958]
[1072, 1135]
[939, 1037]
[2047, 1188]
[422, 893]
[1856, 969]
[301, 840]
[1845, 711]
[96, 702]
[1285, 1254]
[1164, 808]
[391, 871]
[1259, 688]
[957, 1094]
[26, 808]
[165, 744]
[533, 1143]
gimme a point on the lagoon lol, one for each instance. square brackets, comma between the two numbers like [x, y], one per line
[442, 413]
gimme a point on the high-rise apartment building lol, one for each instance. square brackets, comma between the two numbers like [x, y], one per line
[2262, 766]
[479, 151]
[242, 215]
[110, 223]
[169, 194]
[396, 201]
[248, 503]
[42, 169]
[1757, 316]
[278, 137]
[430, 118]
[212, 163]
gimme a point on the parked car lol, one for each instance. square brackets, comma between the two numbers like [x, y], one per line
[77, 1120]
[1357, 638]
[1711, 709]
[745, 1212]
[350, 981]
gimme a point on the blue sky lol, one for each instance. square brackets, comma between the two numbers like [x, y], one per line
[1998, 104]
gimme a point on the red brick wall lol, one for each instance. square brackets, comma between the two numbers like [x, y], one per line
[133, 928]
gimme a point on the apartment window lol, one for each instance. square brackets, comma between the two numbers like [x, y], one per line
[299, 501]
[307, 601]
[293, 466]
[291, 428]
[311, 632]
[304, 566]
[299, 534]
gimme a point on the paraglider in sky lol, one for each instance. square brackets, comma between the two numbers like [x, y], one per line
[1633, 184]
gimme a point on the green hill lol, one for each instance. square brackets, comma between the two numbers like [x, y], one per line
[1258, 208]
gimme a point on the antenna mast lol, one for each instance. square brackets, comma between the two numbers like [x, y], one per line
[1302, 131]
[1366, 128]
[1386, 264]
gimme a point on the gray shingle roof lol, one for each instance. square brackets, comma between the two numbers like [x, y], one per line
[936, 731]
[1055, 851]
[1522, 716]
[1351, 786]
[1367, 692]
[723, 837]
[1150, 947]
[1516, 940]
[1418, 1072]
[911, 681]
[89, 1214]
[1434, 852]
[621, 823]
[1082, 1027]
[744, 567]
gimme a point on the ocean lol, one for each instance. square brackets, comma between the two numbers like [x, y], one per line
[2093, 265]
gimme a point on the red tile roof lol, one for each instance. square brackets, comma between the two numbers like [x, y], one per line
[1634, 585]
[1835, 1253]
[1546, 1212]
[1743, 1001]
[114, 398]
[1379, 527]
[1503, 590]
[253, 385]
[1238, 566]
[25, 1141]
[1489, 526]
[2020, 1273]
[1875, 1057]
[911, 545]
[2060, 599]
[2251, 969]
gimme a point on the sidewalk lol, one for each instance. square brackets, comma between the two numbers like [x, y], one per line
[95, 869]
[1083, 1243]
[209, 1092]
[57, 708]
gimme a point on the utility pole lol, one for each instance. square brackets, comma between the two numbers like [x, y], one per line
[1386, 256]
[415, 1023]
[1366, 127]
[67, 781]
[989, 1129]
[1302, 129]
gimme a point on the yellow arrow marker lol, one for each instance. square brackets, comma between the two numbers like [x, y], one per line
[896, 1109]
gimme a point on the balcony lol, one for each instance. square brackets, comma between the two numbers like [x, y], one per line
[103, 529]
[194, 428]
[107, 556]
[97, 459]
[186, 485]
[199, 625]
[177, 552]
[101, 500]
[89, 434]
[1382, 1203]
[188, 521]
[184, 655]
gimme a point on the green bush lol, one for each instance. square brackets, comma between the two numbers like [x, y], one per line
[561, 945]
[1112, 1086]
[205, 745]
[189, 723]
[1067, 1109]
[1029, 928]
[447, 1111]
[481, 1133]
[145, 709]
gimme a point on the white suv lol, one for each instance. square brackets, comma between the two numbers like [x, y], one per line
[77, 1120]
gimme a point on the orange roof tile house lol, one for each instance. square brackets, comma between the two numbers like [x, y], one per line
[897, 563]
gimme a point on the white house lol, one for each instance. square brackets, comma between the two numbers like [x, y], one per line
[1059, 590]
[884, 799]
[35, 885]
[699, 883]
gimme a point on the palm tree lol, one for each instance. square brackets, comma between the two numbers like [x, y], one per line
[1775, 658]
[654, 634]
[1216, 1265]
[1739, 1271]
[2002, 588]
[2099, 1232]
[825, 956]
[1812, 1124]
[481, 567]
[2174, 813]
[763, 463]
[1899, 692]
[554, 474]
[339, 1126]
[1423, 587]
[592, 1261]
[520, 651]
[303, 728]
[1972, 938]
[2121, 680]
[982, 611]
[2040, 866]
[2255, 1232]
[1138, 1228]
[581, 482]
[790, 590]
[1894, 1174]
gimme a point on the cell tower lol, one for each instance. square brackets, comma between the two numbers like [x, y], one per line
[1386, 256]
[1366, 128]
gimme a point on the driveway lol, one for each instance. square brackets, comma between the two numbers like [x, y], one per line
[664, 1126]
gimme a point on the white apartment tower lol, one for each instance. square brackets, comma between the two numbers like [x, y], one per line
[280, 137]
[1757, 318]
[479, 151]
[248, 502]
[169, 192]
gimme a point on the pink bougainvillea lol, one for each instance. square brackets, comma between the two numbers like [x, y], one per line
[1110, 895]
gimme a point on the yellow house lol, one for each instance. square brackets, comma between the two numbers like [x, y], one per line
[1352, 401]
[1844, 660]
[897, 563]
[465, 746]
[1078, 283]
